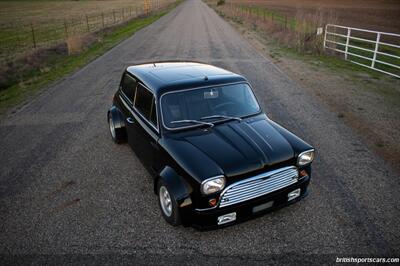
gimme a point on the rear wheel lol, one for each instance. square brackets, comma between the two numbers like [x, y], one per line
[118, 132]
[168, 204]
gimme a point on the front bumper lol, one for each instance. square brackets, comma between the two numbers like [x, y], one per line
[208, 219]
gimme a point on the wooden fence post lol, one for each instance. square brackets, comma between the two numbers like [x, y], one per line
[33, 36]
[285, 21]
[123, 17]
[102, 19]
[114, 15]
[87, 23]
[17, 33]
[66, 29]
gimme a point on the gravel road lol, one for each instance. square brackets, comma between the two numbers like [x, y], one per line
[66, 188]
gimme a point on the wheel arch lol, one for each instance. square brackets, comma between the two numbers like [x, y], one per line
[119, 124]
[117, 117]
[179, 188]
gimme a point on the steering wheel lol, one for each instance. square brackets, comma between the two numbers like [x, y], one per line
[221, 105]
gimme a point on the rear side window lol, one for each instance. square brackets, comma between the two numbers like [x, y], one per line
[128, 85]
[144, 103]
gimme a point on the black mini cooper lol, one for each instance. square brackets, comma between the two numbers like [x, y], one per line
[216, 158]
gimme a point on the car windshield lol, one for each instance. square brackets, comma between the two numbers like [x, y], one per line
[194, 107]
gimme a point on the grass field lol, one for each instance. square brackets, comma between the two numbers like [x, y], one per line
[54, 63]
[25, 25]
[379, 15]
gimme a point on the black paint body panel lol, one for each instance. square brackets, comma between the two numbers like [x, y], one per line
[185, 158]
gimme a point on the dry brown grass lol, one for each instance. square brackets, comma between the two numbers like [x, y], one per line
[75, 44]
[39, 12]
[298, 32]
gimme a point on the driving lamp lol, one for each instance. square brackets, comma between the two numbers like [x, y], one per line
[213, 185]
[305, 158]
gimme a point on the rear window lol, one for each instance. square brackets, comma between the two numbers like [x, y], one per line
[128, 86]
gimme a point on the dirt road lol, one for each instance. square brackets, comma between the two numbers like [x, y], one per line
[66, 188]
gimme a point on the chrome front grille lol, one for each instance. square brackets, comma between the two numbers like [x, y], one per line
[259, 185]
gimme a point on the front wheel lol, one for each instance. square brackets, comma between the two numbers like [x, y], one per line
[168, 204]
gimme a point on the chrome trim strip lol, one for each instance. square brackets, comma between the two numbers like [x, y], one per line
[206, 209]
[297, 161]
[204, 87]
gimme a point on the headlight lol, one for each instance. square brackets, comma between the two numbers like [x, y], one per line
[305, 158]
[212, 185]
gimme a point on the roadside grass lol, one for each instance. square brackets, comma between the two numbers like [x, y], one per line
[268, 14]
[367, 56]
[352, 72]
[58, 65]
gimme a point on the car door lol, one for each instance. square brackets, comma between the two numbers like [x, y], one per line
[142, 126]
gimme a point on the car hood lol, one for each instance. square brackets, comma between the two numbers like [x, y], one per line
[239, 147]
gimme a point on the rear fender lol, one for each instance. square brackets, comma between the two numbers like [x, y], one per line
[117, 117]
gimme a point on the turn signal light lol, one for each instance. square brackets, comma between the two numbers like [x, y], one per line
[303, 173]
[212, 202]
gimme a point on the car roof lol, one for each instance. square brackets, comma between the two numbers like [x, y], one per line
[168, 76]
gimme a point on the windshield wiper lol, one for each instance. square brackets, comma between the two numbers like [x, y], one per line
[221, 116]
[192, 121]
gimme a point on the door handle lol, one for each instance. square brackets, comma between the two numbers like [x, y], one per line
[130, 120]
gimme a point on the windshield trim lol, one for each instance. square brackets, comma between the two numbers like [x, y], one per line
[204, 87]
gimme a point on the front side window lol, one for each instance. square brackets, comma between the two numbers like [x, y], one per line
[144, 103]
[234, 100]
[128, 86]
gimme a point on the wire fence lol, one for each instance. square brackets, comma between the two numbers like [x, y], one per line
[20, 38]
[256, 12]
[302, 31]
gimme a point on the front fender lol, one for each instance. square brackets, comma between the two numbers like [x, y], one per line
[178, 187]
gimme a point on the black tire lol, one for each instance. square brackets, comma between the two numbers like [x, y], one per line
[116, 126]
[174, 217]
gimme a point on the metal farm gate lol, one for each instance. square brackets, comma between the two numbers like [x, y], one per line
[372, 49]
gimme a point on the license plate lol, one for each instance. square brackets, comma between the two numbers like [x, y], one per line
[263, 206]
